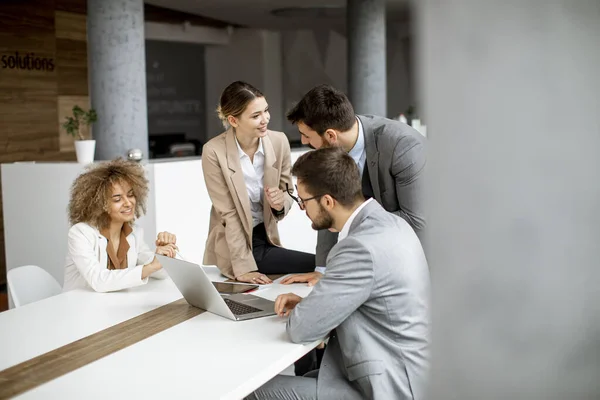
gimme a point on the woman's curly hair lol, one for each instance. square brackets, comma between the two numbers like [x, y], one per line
[91, 191]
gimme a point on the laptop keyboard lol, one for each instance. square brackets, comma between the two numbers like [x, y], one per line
[239, 308]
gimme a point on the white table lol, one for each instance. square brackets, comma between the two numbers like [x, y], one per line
[206, 357]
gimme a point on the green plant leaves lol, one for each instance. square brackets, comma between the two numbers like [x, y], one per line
[80, 118]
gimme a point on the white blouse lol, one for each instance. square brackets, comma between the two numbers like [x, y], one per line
[87, 260]
[254, 172]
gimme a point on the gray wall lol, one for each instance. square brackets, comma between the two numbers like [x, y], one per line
[512, 95]
[312, 57]
[176, 88]
[285, 65]
[243, 59]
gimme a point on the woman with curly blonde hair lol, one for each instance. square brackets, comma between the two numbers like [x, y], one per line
[106, 251]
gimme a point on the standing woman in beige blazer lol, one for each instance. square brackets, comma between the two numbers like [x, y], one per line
[247, 171]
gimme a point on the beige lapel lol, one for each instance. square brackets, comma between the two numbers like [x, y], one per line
[237, 178]
[271, 178]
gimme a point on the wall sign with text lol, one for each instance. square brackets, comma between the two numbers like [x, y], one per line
[27, 61]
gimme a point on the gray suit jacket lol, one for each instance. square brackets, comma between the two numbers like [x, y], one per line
[375, 295]
[395, 161]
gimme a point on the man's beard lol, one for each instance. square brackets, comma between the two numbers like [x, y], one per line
[324, 144]
[323, 221]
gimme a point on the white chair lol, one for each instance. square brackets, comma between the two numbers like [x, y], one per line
[30, 283]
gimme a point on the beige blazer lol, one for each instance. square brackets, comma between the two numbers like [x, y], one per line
[229, 243]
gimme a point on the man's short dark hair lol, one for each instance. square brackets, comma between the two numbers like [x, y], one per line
[330, 170]
[324, 107]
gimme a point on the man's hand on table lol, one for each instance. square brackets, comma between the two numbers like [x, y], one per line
[311, 278]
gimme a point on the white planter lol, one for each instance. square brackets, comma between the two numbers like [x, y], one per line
[85, 151]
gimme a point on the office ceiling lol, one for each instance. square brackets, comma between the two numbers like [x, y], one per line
[278, 14]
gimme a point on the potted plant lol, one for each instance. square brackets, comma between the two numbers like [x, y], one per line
[75, 126]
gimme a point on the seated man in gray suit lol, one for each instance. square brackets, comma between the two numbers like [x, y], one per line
[373, 301]
[390, 156]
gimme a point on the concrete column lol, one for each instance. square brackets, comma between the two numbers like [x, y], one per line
[365, 26]
[512, 99]
[117, 76]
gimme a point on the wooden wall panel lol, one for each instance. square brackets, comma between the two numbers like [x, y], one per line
[27, 77]
[74, 6]
[71, 65]
[43, 59]
[27, 111]
[26, 17]
[70, 25]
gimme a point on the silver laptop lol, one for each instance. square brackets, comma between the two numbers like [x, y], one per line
[199, 291]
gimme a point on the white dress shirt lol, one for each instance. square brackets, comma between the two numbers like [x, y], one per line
[254, 173]
[87, 260]
[344, 232]
[359, 152]
[359, 155]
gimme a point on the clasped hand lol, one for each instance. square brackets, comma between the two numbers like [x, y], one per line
[275, 198]
[166, 244]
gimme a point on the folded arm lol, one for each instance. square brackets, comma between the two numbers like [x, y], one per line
[146, 255]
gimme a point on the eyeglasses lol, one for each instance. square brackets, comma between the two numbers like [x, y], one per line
[299, 200]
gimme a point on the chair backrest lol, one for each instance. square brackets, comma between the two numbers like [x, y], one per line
[30, 283]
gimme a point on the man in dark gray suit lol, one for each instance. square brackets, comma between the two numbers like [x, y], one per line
[390, 156]
[373, 302]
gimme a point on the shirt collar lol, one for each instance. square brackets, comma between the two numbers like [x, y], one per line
[126, 229]
[346, 228]
[118, 259]
[241, 152]
[359, 147]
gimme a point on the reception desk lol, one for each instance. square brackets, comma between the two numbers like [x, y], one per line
[35, 197]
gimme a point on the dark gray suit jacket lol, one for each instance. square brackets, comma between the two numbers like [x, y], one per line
[375, 295]
[396, 162]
